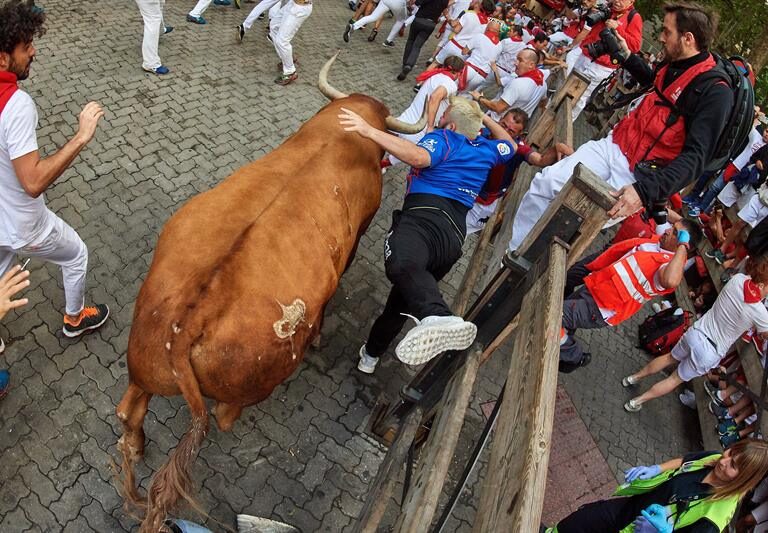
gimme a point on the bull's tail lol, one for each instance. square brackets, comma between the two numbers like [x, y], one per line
[173, 482]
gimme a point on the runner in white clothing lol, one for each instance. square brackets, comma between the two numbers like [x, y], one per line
[506, 63]
[738, 308]
[398, 8]
[525, 91]
[437, 87]
[283, 25]
[152, 14]
[484, 49]
[454, 11]
[27, 226]
[196, 15]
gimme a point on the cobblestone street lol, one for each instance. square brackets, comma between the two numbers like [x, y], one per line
[302, 456]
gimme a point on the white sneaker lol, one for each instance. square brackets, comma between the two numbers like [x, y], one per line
[367, 362]
[434, 335]
[2, 346]
[629, 380]
[632, 407]
[688, 399]
[656, 306]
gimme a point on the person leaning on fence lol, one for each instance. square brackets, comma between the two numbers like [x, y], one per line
[679, 152]
[620, 281]
[449, 166]
[698, 493]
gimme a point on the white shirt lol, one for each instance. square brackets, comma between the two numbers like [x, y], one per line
[470, 26]
[415, 110]
[22, 218]
[731, 316]
[754, 143]
[507, 59]
[483, 51]
[522, 93]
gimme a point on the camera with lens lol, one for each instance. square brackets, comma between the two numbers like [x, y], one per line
[597, 15]
[608, 44]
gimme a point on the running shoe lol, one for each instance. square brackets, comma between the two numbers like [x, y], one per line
[285, 79]
[434, 335]
[90, 318]
[632, 406]
[240, 33]
[367, 363]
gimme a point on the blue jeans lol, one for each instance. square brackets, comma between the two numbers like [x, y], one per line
[701, 184]
[709, 197]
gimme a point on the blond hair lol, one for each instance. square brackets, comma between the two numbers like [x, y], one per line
[750, 457]
[466, 116]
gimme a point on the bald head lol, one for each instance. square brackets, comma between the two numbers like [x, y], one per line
[526, 61]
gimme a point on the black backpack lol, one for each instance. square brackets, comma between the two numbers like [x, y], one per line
[757, 241]
[660, 332]
[735, 135]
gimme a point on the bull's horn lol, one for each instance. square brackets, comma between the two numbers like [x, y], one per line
[322, 82]
[397, 125]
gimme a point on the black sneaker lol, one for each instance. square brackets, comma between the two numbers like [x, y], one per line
[260, 17]
[347, 31]
[567, 367]
[388, 44]
[372, 36]
[90, 318]
[240, 33]
[404, 73]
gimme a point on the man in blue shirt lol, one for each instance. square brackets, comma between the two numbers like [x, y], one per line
[449, 167]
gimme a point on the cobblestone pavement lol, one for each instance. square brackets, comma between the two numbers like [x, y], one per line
[301, 456]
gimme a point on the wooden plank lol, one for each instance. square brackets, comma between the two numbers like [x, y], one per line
[541, 132]
[563, 123]
[386, 478]
[715, 270]
[750, 363]
[707, 420]
[512, 497]
[421, 501]
[574, 87]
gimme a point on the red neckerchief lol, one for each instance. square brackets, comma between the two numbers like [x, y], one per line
[424, 76]
[536, 75]
[516, 39]
[8, 87]
[482, 16]
[751, 292]
[493, 36]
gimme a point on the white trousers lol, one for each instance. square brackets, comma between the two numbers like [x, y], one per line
[283, 27]
[478, 216]
[560, 38]
[200, 7]
[571, 58]
[449, 49]
[152, 13]
[398, 9]
[261, 8]
[61, 246]
[595, 73]
[603, 157]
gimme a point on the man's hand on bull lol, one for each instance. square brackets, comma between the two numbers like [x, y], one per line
[351, 121]
[628, 202]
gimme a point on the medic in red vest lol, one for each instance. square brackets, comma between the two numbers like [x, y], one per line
[621, 280]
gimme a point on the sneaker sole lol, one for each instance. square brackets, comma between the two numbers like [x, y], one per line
[73, 334]
[626, 383]
[424, 343]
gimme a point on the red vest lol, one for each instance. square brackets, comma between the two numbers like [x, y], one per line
[623, 284]
[643, 134]
[624, 29]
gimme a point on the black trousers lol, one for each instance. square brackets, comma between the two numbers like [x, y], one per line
[421, 248]
[418, 34]
[604, 516]
[574, 278]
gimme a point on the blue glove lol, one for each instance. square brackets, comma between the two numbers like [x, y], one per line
[642, 472]
[653, 520]
[683, 237]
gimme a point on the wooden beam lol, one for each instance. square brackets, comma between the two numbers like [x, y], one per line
[436, 456]
[512, 496]
[386, 478]
[563, 123]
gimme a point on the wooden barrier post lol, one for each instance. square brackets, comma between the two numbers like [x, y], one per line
[512, 497]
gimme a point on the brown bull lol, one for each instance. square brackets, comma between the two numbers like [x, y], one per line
[239, 281]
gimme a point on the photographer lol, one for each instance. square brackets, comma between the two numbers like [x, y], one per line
[645, 158]
[592, 58]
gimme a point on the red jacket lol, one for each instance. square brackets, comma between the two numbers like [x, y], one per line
[643, 134]
[623, 282]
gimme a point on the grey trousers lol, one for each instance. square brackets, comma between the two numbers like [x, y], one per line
[579, 311]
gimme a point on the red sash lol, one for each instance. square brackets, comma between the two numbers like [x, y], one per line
[8, 87]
